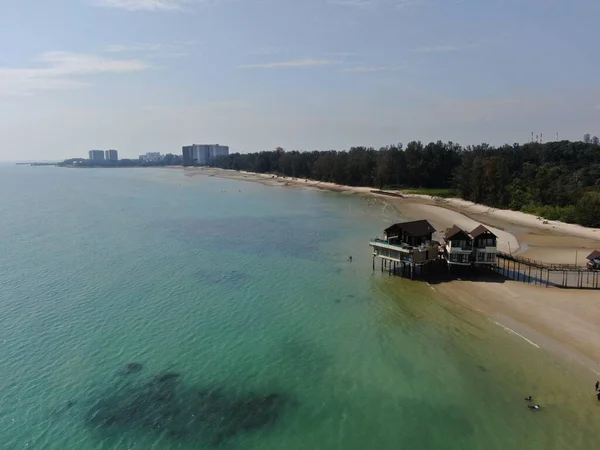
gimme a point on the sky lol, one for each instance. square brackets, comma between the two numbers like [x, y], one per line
[154, 75]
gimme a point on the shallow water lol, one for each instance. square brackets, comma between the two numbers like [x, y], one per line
[245, 292]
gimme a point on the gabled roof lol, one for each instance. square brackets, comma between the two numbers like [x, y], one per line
[416, 228]
[479, 231]
[455, 232]
[595, 254]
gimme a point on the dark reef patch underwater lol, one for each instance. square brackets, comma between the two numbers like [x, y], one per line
[164, 405]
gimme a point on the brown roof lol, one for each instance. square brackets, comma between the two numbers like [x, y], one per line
[595, 254]
[479, 231]
[416, 228]
[451, 232]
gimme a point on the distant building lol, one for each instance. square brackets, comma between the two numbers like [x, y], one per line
[111, 155]
[96, 155]
[201, 155]
[151, 157]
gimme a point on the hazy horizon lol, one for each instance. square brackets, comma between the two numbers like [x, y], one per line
[154, 75]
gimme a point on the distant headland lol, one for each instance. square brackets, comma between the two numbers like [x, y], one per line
[191, 155]
[165, 160]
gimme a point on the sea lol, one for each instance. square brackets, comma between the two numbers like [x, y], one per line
[154, 309]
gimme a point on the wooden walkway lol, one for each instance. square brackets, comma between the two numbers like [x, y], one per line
[537, 272]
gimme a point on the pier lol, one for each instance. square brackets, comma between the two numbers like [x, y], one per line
[539, 273]
[35, 164]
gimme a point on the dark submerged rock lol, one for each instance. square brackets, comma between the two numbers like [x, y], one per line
[132, 367]
[162, 405]
[167, 377]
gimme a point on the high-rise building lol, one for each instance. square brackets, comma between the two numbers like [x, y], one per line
[111, 155]
[201, 155]
[96, 155]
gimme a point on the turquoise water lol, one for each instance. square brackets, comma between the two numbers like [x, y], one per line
[244, 291]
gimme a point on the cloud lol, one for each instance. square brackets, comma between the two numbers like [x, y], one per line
[369, 69]
[445, 48]
[135, 48]
[61, 70]
[301, 62]
[143, 5]
[154, 5]
[174, 49]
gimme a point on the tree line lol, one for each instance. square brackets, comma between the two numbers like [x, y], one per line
[554, 180]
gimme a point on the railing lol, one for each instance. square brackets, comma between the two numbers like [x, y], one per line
[538, 272]
[539, 264]
[400, 245]
[461, 249]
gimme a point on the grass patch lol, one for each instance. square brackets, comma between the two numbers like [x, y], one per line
[434, 192]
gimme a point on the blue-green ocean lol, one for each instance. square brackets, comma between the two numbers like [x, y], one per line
[248, 327]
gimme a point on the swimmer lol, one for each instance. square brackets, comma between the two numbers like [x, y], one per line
[536, 407]
[528, 399]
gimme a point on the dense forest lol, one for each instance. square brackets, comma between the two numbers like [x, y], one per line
[556, 180]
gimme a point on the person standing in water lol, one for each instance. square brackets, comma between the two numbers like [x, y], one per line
[597, 385]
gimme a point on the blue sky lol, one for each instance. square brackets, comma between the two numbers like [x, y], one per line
[153, 75]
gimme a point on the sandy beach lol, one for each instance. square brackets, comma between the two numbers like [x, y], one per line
[564, 322]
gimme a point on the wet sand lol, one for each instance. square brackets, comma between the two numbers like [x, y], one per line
[564, 322]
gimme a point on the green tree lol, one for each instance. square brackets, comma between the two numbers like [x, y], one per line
[587, 209]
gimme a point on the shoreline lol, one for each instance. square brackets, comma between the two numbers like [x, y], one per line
[527, 235]
[563, 322]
